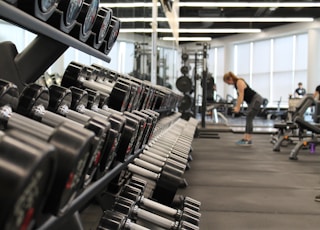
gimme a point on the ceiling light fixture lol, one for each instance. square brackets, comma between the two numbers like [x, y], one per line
[160, 30]
[245, 19]
[221, 19]
[224, 30]
[128, 5]
[249, 4]
[186, 39]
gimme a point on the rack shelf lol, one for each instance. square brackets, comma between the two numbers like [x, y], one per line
[14, 15]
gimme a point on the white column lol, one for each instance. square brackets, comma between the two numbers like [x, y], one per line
[154, 42]
[313, 60]
[228, 66]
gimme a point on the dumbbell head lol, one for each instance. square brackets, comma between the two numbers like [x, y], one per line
[191, 203]
[124, 205]
[72, 74]
[9, 94]
[138, 183]
[101, 25]
[32, 96]
[166, 188]
[79, 97]
[112, 34]
[112, 221]
[27, 169]
[59, 97]
[131, 193]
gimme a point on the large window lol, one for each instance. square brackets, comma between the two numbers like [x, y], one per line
[273, 67]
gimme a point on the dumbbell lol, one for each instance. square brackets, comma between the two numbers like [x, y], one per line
[117, 121]
[76, 75]
[72, 145]
[60, 102]
[112, 220]
[130, 132]
[34, 101]
[181, 202]
[101, 77]
[166, 183]
[100, 27]
[129, 207]
[27, 170]
[85, 20]
[41, 10]
[112, 35]
[134, 120]
[136, 194]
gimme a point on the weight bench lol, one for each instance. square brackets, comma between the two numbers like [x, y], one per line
[312, 139]
[213, 110]
[288, 129]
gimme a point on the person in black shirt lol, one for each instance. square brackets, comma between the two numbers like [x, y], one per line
[300, 91]
[253, 100]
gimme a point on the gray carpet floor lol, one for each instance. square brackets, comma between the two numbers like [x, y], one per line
[253, 187]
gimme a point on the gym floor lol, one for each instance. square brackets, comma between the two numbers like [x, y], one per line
[253, 187]
[243, 188]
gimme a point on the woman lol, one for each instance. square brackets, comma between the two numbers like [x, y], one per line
[253, 100]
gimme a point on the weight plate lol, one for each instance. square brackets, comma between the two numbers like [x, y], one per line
[184, 56]
[185, 103]
[9, 94]
[184, 84]
[184, 70]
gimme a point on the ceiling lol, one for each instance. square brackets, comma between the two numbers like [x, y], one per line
[215, 12]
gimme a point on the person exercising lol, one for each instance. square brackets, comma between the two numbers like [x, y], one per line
[253, 100]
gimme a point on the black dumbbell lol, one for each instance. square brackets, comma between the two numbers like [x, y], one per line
[72, 145]
[184, 214]
[112, 35]
[27, 170]
[39, 9]
[100, 27]
[77, 74]
[130, 132]
[112, 220]
[85, 20]
[129, 207]
[60, 102]
[65, 16]
[34, 101]
[166, 183]
[180, 202]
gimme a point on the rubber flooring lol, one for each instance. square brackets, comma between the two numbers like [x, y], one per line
[243, 188]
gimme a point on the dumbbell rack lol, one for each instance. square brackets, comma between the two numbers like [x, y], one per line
[26, 67]
[46, 48]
